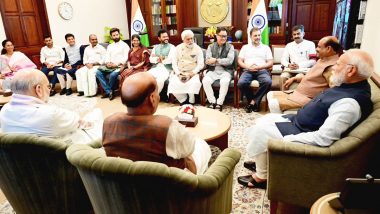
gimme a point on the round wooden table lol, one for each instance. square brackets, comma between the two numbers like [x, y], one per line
[213, 125]
[322, 206]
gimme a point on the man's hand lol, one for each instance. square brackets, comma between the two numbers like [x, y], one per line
[89, 65]
[68, 66]
[85, 124]
[289, 82]
[2, 76]
[111, 65]
[211, 61]
[254, 68]
[293, 66]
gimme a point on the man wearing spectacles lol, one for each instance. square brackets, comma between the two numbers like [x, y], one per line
[219, 59]
[29, 113]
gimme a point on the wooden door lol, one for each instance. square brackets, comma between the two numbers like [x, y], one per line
[25, 23]
[316, 15]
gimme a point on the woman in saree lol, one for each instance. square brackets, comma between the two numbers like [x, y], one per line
[138, 59]
[11, 61]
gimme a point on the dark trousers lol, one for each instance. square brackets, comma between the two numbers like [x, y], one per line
[72, 71]
[46, 71]
[244, 84]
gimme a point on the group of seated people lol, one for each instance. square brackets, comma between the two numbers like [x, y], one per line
[329, 105]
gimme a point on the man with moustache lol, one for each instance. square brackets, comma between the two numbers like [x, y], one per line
[52, 58]
[29, 113]
[315, 81]
[116, 56]
[188, 61]
[322, 121]
[296, 53]
[161, 59]
[219, 58]
[255, 59]
[93, 57]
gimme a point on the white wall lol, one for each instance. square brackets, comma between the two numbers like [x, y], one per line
[2, 31]
[226, 22]
[371, 33]
[90, 16]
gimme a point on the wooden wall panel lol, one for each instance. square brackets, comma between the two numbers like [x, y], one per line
[321, 17]
[302, 16]
[26, 6]
[16, 34]
[10, 6]
[34, 35]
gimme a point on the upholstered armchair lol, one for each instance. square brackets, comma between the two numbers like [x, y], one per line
[299, 174]
[36, 177]
[118, 185]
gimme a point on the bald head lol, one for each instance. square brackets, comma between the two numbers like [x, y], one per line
[137, 88]
[333, 42]
[25, 81]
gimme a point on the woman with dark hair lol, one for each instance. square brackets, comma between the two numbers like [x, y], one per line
[11, 61]
[138, 59]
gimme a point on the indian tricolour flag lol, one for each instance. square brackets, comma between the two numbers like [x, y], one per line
[138, 25]
[258, 18]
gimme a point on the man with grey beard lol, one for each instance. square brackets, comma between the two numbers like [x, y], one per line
[322, 121]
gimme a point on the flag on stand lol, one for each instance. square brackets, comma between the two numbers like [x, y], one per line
[138, 25]
[258, 18]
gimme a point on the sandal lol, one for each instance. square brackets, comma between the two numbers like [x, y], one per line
[250, 182]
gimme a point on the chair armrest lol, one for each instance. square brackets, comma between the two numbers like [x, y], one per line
[297, 149]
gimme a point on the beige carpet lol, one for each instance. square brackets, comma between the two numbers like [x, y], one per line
[245, 200]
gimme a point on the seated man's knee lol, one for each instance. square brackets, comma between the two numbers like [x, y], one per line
[207, 81]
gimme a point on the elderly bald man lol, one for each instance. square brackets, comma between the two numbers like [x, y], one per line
[139, 135]
[322, 121]
[314, 82]
[28, 112]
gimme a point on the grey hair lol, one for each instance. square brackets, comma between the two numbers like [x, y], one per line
[186, 33]
[363, 62]
[24, 81]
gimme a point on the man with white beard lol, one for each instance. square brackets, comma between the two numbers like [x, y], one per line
[187, 62]
[322, 121]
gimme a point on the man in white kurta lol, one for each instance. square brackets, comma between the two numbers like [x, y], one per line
[297, 53]
[93, 57]
[28, 112]
[161, 59]
[188, 61]
[116, 56]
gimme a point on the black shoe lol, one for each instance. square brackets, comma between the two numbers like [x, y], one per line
[80, 93]
[69, 92]
[52, 93]
[250, 182]
[111, 96]
[250, 108]
[63, 91]
[105, 96]
[250, 165]
[219, 107]
[212, 105]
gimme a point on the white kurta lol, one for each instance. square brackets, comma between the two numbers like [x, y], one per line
[52, 55]
[180, 143]
[86, 79]
[30, 115]
[192, 86]
[299, 54]
[159, 71]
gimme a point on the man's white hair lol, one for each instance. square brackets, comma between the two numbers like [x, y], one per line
[186, 33]
[25, 81]
[363, 62]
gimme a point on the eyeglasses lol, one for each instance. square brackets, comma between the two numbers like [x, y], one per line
[222, 36]
[48, 86]
[337, 64]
